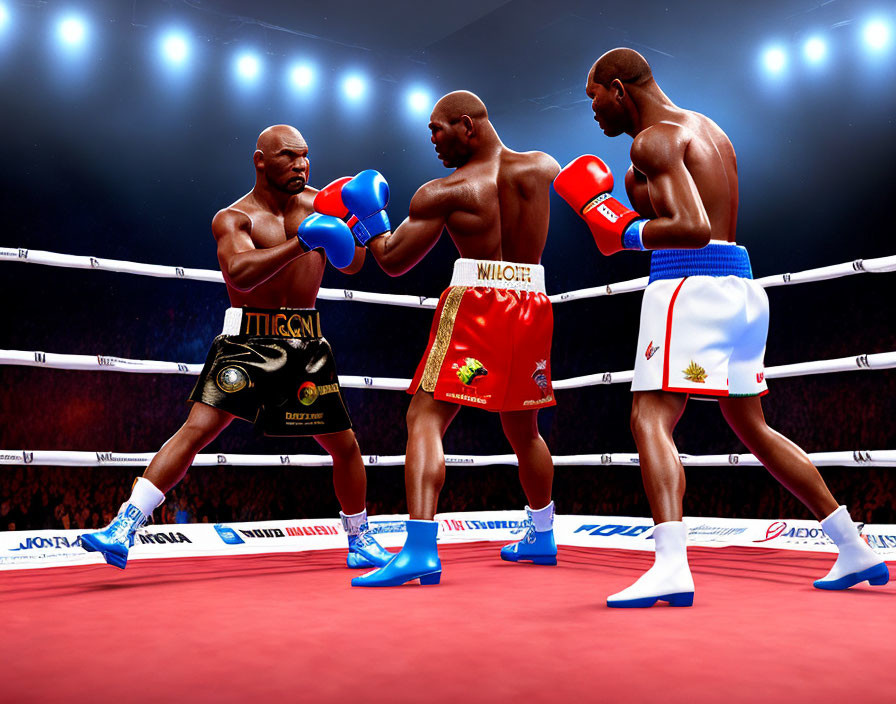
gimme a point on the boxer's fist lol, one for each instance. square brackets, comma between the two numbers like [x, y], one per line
[331, 234]
[585, 183]
[328, 200]
[366, 196]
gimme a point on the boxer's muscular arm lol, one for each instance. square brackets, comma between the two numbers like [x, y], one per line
[357, 262]
[408, 244]
[244, 266]
[681, 221]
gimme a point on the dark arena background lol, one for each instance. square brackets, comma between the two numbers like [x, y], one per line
[129, 124]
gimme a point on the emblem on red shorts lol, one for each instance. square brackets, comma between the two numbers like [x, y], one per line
[469, 369]
[540, 376]
[759, 377]
[651, 350]
[695, 373]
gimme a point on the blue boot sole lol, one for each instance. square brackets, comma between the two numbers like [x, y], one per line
[877, 575]
[679, 599]
[111, 558]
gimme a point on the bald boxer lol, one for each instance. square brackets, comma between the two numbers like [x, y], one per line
[704, 321]
[271, 364]
[490, 342]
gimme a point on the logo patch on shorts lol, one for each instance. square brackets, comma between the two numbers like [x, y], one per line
[540, 377]
[469, 369]
[651, 350]
[232, 379]
[308, 393]
[759, 377]
[695, 373]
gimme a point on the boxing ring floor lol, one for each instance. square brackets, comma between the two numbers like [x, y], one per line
[288, 627]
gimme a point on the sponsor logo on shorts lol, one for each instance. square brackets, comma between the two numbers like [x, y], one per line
[504, 272]
[695, 373]
[309, 392]
[304, 417]
[759, 377]
[232, 379]
[540, 376]
[651, 350]
[540, 401]
[305, 325]
[466, 397]
[469, 369]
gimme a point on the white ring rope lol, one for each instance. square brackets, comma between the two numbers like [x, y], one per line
[65, 458]
[858, 266]
[83, 362]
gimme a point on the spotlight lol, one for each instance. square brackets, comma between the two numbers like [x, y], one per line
[815, 49]
[72, 31]
[175, 48]
[4, 16]
[876, 34]
[248, 66]
[774, 60]
[419, 101]
[354, 87]
[301, 75]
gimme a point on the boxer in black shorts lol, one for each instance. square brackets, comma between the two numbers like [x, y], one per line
[270, 365]
[275, 370]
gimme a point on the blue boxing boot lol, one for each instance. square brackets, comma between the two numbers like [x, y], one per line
[857, 562]
[114, 541]
[418, 559]
[538, 545]
[363, 550]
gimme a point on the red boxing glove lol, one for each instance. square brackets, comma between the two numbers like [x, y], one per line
[328, 201]
[585, 183]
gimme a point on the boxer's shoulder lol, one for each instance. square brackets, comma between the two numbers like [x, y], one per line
[229, 220]
[659, 145]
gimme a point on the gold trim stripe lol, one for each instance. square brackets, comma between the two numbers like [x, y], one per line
[443, 338]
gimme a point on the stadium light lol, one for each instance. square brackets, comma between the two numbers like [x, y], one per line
[815, 50]
[419, 101]
[72, 31]
[4, 16]
[876, 34]
[354, 87]
[248, 66]
[774, 59]
[175, 48]
[301, 76]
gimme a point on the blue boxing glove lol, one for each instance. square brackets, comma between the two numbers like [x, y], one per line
[332, 235]
[366, 196]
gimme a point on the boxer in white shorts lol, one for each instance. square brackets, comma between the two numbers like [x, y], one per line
[703, 333]
[703, 320]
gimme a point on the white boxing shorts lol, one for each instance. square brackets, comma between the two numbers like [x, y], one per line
[704, 324]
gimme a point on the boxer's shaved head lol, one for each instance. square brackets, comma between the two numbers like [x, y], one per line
[281, 158]
[625, 65]
[455, 105]
[277, 137]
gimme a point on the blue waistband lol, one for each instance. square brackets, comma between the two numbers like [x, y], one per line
[712, 260]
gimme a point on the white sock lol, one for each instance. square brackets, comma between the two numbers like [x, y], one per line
[670, 573]
[855, 554]
[145, 496]
[352, 523]
[543, 518]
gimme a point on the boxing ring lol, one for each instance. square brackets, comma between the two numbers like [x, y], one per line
[264, 611]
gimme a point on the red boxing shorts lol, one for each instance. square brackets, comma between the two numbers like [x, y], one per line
[490, 342]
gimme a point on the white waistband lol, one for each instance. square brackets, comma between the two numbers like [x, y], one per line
[496, 274]
[233, 317]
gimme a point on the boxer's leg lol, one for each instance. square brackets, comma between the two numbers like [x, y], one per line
[350, 484]
[791, 466]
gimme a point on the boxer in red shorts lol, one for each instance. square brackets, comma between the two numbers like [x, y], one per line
[491, 338]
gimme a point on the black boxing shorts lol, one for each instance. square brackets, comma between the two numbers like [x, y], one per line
[274, 368]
